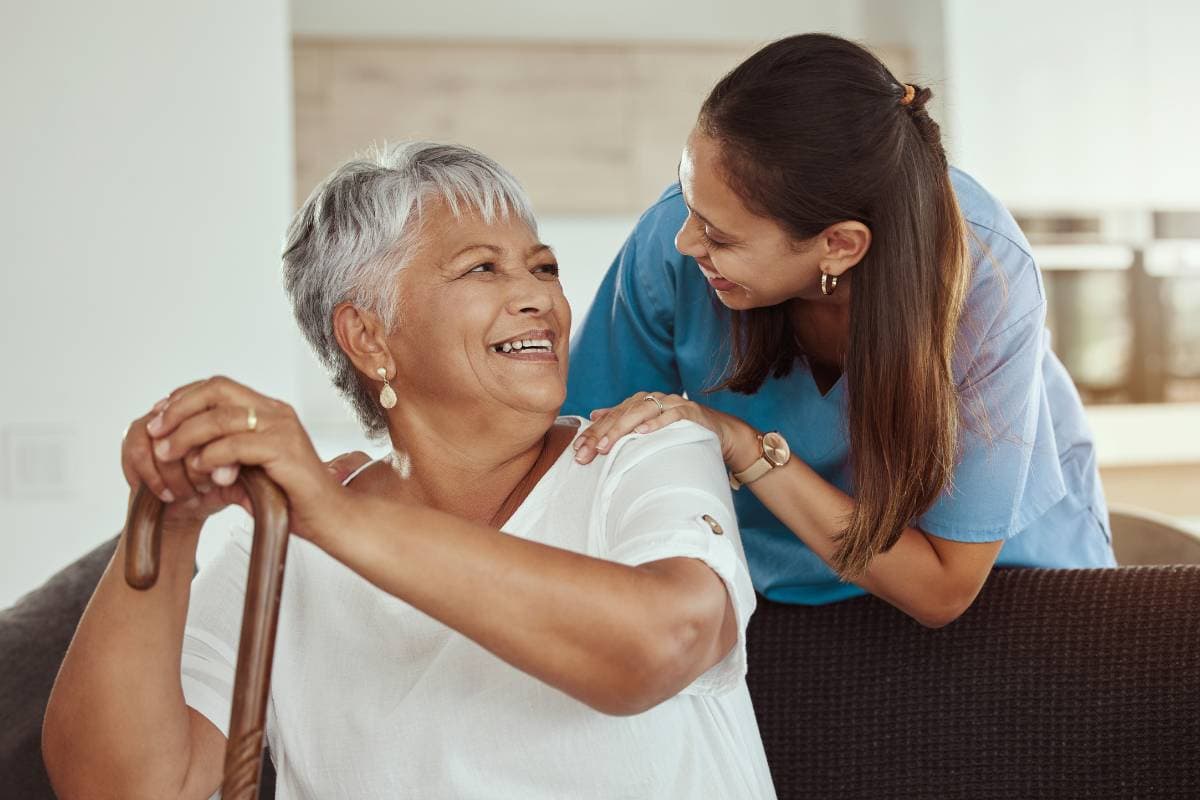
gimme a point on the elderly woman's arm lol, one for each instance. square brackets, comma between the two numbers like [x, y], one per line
[619, 638]
[116, 725]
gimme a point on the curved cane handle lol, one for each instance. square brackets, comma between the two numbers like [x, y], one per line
[260, 616]
[143, 539]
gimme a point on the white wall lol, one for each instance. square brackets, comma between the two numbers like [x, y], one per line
[1077, 104]
[695, 20]
[146, 162]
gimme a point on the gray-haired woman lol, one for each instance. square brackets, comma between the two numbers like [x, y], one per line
[594, 649]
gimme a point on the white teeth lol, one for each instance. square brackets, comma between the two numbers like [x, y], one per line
[517, 345]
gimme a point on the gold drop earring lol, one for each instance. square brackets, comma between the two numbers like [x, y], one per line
[387, 395]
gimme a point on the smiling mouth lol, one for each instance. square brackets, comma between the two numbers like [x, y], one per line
[525, 346]
[717, 281]
[528, 346]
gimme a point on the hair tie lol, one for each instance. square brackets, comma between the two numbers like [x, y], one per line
[910, 92]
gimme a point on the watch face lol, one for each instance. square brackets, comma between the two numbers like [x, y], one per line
[775, 449]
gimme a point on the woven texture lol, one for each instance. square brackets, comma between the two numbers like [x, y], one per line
[1055, 683]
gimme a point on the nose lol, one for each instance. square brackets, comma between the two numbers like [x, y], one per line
[687, 239]
[532, 296]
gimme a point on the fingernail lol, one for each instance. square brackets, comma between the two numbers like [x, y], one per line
[331, 469]
[162, 449]
[161, 404]
[642, 428]
[193, 503]
[155, 424]
[603, 445]
[195, 461]
[578, 443]
[582, 454]
[167, 497]
[223, 475]
[204, 488]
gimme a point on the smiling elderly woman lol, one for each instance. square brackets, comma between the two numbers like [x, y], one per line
[593, 649]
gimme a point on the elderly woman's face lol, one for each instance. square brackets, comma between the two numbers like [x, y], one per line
[483, 319]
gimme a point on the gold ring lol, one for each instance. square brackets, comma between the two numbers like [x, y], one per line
[656, 401]
[251, 419]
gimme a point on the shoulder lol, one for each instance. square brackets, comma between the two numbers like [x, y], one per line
[984, 213]
[656, 227]
[680, 444]
[667, 211]
[649, 261]
[1006, 284]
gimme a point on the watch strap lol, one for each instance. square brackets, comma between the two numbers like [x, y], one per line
[751, 473]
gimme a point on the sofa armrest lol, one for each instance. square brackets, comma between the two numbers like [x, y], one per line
[34, 636]
[1055, 683]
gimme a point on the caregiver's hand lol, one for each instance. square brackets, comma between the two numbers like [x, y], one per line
[641, 414]
[343, 466]
[219, 425]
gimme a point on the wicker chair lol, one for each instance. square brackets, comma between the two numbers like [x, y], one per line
[1056, 683]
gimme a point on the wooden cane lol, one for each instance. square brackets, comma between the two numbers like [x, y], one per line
[260, 616]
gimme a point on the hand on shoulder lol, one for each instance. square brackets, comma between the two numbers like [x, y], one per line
[647, 412]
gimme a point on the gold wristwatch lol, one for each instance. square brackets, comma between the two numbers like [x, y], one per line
[775, 453]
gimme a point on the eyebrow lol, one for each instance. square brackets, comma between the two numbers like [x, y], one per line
[707, 222]
[492, 249]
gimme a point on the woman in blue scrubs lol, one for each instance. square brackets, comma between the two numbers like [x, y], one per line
[863, 328]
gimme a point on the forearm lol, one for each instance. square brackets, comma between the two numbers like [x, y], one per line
[618, 638]
[913, 575]
[116, 724]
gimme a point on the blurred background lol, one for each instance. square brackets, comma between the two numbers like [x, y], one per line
[152, 153]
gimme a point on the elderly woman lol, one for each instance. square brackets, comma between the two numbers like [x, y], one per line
[475, 615]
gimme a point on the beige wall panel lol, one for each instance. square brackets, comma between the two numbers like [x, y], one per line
[669, 84]
[555, 115]
[310, 87]
[589, 128]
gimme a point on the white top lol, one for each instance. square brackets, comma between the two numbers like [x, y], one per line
[371, 698]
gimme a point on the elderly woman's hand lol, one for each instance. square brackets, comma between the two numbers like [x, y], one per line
[190, 495]
[645, 412]
[213, 426]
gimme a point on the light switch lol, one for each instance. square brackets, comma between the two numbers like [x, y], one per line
[37, 461]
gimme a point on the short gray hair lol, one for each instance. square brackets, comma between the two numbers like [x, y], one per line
[362, 225]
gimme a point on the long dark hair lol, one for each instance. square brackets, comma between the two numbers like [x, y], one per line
[814, 130]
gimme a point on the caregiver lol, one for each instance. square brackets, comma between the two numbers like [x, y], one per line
[863, 327]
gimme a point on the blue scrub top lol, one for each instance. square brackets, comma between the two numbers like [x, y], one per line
[1032, 481]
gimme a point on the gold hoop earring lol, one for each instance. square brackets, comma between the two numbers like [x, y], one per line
[828, 283]
[387, 395]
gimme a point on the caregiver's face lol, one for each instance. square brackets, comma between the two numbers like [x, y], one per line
[750, 260]
[483, 324]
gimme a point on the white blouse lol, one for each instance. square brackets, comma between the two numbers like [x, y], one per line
[370, 698]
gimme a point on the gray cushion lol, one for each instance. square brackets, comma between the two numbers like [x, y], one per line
[34, 635]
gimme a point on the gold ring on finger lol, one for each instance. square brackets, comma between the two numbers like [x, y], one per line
[656, 401]
[251, 419]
